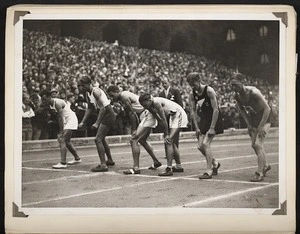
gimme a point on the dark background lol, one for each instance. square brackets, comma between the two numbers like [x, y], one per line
[4, 4]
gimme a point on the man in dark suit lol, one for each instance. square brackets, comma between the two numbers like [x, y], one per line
[170, 93]
[174, 95]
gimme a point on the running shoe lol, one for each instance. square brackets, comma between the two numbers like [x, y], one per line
[167, 172]
[205, 176]
[215, 169]
[74, 161]
[177, 169]
[266, 169]
[59, 166]
[155, 166]
[132, 171]
[110, 163]
[99, 168]
[257, 177]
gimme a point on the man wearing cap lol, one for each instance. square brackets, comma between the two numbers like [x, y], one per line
[258, 116]
[210, 124]
[54, 93]
[97, 99]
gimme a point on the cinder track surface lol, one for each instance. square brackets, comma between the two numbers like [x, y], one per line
[77, 186]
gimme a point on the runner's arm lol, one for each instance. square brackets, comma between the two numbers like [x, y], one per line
[242, 111]
[59, 107]
[131, 114]
[162, 117]
[193, 111]
[262, 102]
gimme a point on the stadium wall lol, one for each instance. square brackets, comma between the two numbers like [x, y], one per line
[204, 38]
[230, 134]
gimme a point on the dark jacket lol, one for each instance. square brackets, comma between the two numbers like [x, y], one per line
[173, 95]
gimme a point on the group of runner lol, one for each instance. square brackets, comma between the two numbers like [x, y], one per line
[145, 112]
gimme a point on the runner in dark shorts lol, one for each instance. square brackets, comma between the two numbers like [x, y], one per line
[97, 99]
[258, 116]
[211, 122]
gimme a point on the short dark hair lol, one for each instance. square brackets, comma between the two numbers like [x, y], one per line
[45, 92]
[144, 97]
[113, 88]
[85, 80]
[70, 95]
[34, 96]
[237, 78]
[193, 76]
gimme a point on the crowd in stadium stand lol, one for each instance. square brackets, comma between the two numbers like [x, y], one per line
[56, 63]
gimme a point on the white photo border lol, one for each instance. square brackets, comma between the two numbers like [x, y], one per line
[176, 14]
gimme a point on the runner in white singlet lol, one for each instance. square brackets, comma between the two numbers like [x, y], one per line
[68, 123]
[141, 132]
[97, 99]
[160, 108]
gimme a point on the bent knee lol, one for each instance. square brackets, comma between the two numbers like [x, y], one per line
[62, 140]
[203, 147]
[256, 145]
[133, 141]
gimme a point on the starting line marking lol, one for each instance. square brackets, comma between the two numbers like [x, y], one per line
[142, 168]
[226, 196]
[51, 169]
[160, 150]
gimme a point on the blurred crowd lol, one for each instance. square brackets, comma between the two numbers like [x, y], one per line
[56, 63]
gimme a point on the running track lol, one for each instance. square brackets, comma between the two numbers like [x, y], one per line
[77, 186]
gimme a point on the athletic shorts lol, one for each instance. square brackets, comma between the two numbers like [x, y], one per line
[147, 120]
[256, 118]
[205, 122]
[109, 117]
[71, 121]
[178, 120]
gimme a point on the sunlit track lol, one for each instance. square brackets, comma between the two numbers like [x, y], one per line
[227, 195]
[143, 151]
[77, 186]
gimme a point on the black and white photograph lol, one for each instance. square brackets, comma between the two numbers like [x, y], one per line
[160, 114]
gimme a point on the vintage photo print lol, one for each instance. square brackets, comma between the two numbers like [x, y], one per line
[125, 112]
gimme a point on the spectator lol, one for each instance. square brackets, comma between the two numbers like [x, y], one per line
[28, 113]
[59, 62]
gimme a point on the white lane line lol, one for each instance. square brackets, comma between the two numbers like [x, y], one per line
[143, 151]
[244, 168]
[51, 169]
[142, 168]
[218, 159]
[192, 162]
[96, 192]
[196, 203]
[226, 181]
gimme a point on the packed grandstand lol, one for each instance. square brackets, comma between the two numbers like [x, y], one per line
[57, 63]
